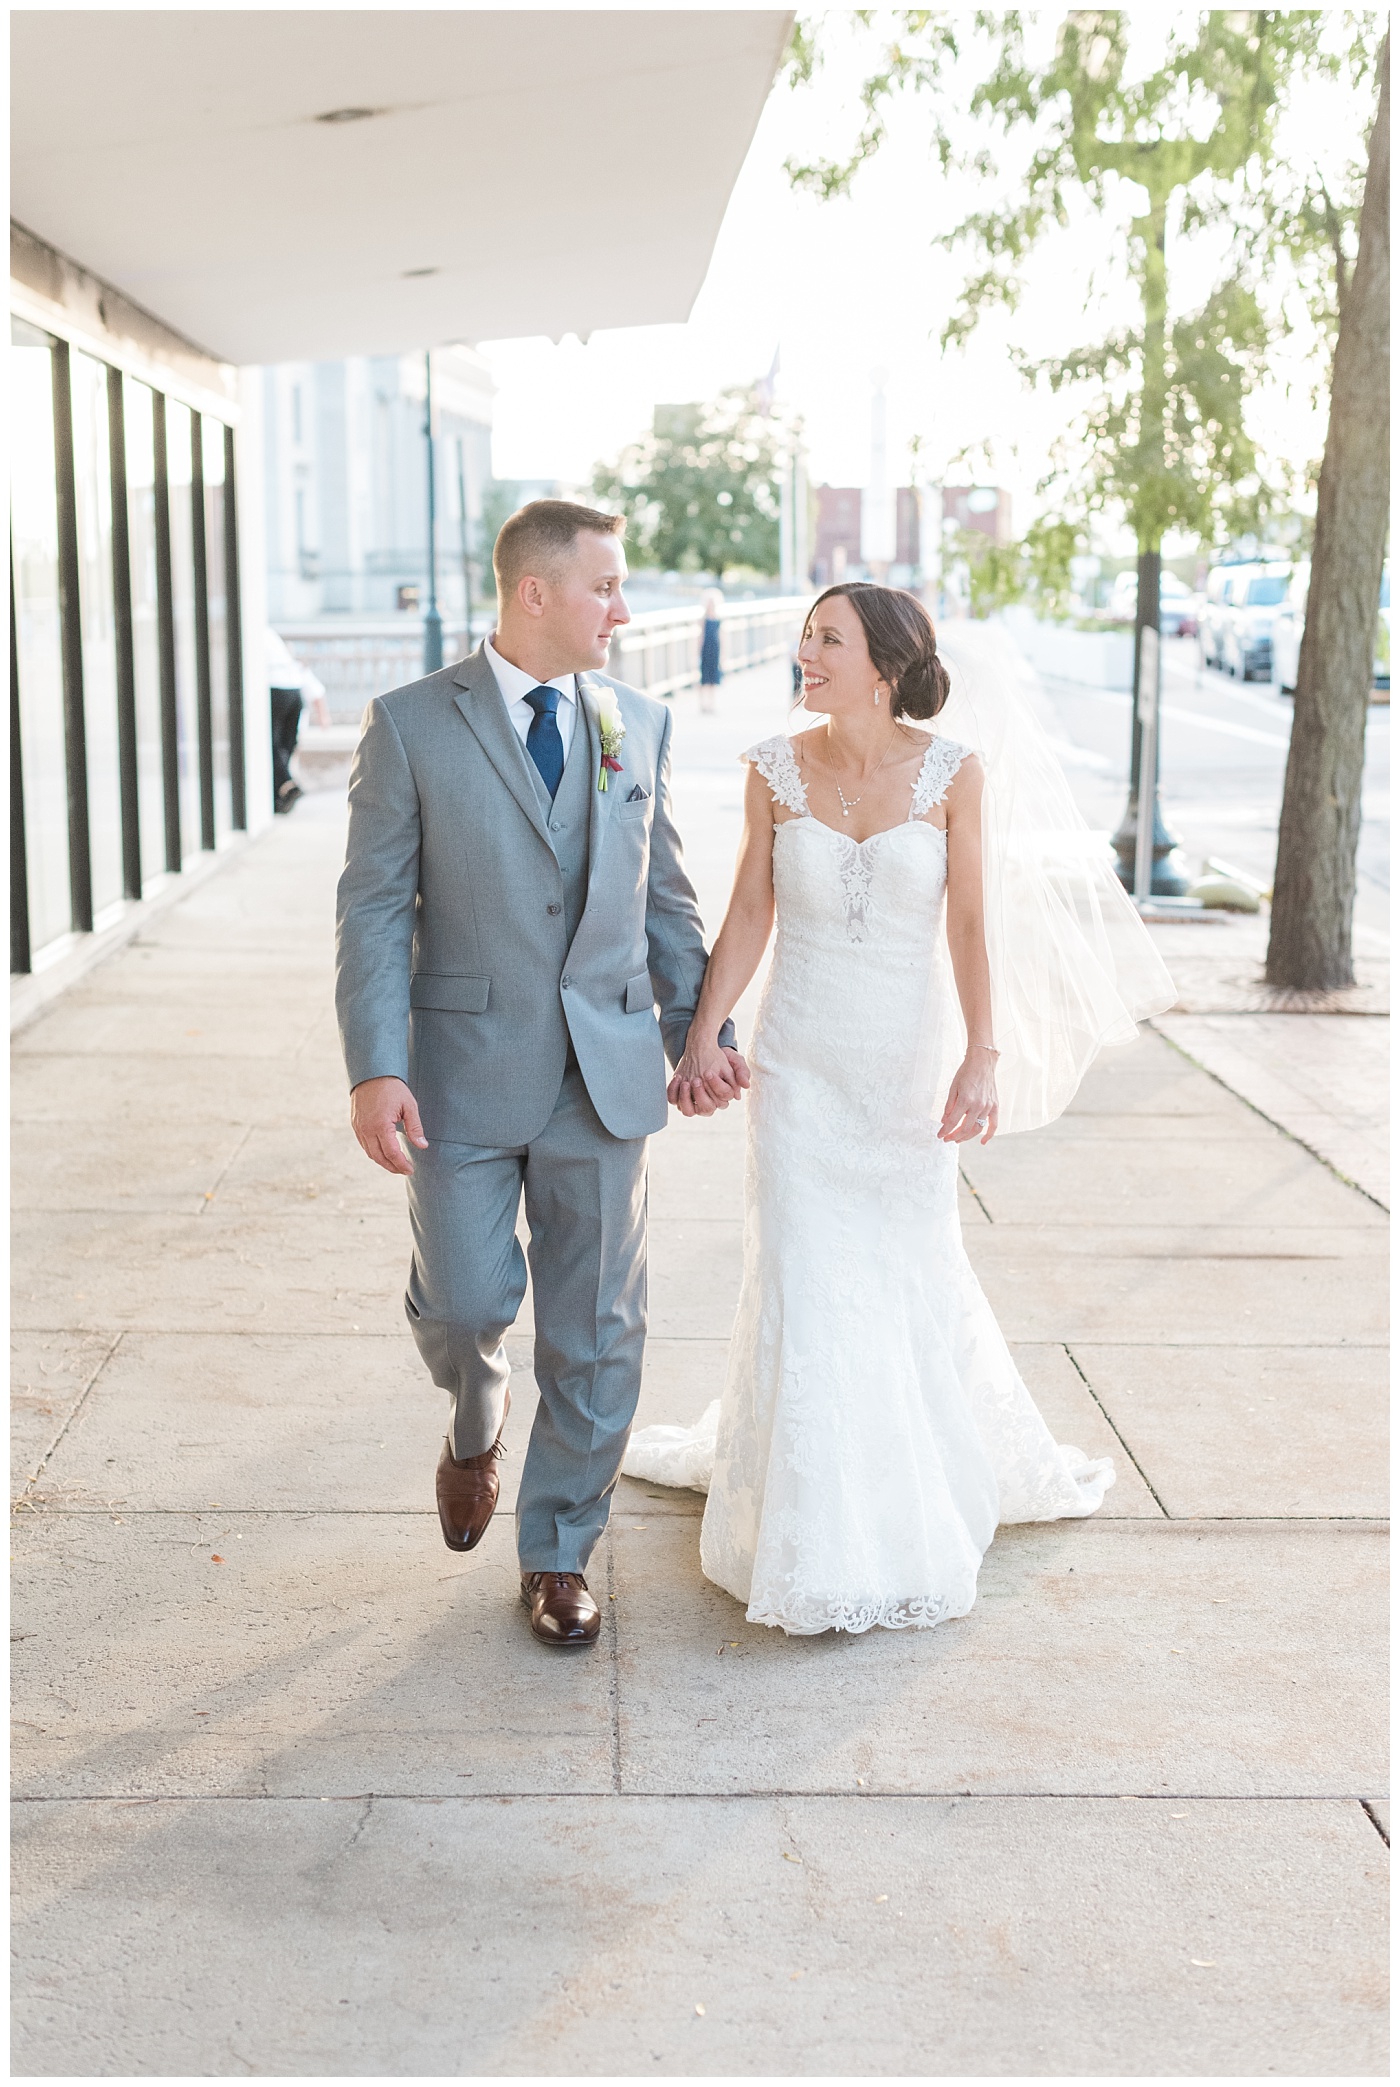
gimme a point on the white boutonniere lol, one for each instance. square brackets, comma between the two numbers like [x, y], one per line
[612, 732]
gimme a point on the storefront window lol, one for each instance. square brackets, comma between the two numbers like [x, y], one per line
[213, 451]
[145, 621]
[126, 734]
[92, 485]
[178, 469]
[38, 649]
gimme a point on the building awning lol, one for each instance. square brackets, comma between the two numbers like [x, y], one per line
[308, 185]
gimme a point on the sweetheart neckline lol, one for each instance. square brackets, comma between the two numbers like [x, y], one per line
[810, 819]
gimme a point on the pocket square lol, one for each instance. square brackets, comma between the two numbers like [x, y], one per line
[636, 794]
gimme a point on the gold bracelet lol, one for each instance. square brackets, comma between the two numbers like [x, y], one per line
[985, 1047]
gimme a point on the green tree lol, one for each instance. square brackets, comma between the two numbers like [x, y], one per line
[1051, 544]
[701, 491]
[1035, 570]
[996, 572]
[1163, 437]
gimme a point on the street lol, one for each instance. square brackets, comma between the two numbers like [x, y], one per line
[1224, 749]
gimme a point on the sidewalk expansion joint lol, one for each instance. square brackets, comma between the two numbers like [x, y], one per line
[369, 1798]
[222, 1176]
[58, 1509]
[1265, 1117]
[112, 1346]
[1117, 1431]
[972, 1191]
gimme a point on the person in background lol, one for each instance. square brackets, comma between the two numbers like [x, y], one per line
[289, 685]
[711, 674]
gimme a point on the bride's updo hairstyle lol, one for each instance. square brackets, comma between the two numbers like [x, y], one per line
[899, 634]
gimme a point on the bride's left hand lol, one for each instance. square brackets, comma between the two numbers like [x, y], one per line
[971, 1109]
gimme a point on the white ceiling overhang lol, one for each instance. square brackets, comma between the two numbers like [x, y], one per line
[556, 172]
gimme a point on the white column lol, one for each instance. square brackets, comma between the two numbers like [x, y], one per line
[877, 533]
[252, 584]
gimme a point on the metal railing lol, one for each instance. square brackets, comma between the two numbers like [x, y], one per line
[659, 650]
[360, 657]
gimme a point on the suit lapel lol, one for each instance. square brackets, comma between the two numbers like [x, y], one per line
[600, 801]
[481, 704]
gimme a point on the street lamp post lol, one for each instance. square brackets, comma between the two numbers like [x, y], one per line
[465, 519]
[1166, 879]
[432, 621]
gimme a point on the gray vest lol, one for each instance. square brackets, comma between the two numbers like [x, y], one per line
[568, 819]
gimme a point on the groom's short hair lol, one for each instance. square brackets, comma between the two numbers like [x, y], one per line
[539, 537]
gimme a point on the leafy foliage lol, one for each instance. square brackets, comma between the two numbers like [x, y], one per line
[700, 492]
[1195, 464]
[1037, 569]
[1162, 430]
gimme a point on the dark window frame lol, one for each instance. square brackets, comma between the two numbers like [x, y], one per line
[165, 625]
[71, 644]
[127, 766]
[20, 951]
[233, 625]
[203, 686]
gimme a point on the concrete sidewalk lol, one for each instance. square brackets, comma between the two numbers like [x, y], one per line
[297, 1793]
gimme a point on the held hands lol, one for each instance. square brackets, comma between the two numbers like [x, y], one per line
[971, 1108]
[710, 1076]
[377, 1108]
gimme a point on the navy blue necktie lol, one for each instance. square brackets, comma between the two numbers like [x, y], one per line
[542, 741]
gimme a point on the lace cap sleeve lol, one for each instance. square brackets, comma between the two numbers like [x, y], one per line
[777, 764]
[941, 763]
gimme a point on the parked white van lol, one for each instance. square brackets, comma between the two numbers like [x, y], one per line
[1288, 632]
[1237, 622]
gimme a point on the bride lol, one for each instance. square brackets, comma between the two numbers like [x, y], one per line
[873, 1428]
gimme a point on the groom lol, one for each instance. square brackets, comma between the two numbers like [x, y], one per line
[512, 914]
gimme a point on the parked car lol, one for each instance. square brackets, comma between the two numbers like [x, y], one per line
[1237, 624]
[1188, 614]
[1210, 620]
[1380, 672]
[1177, 604]
[1288, 632]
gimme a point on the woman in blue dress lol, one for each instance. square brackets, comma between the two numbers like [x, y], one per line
[711, 672]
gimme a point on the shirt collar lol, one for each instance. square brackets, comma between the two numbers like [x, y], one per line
[515, 684]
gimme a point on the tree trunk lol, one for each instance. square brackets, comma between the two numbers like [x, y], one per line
[1315, 877]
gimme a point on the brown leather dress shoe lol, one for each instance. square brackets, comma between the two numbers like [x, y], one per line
[562, 1611]
[467, 1491]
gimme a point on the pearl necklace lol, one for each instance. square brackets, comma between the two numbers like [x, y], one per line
[848, 804]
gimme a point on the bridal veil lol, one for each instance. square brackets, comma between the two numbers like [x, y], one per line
[1073, 969]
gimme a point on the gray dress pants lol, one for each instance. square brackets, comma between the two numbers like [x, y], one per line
[586, 1208]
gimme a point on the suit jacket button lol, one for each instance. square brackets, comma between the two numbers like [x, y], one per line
[566, 980]
[554, 908]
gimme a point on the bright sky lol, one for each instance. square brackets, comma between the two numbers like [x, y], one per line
[846, 290]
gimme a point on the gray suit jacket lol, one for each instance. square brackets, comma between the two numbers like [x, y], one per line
[452, 970]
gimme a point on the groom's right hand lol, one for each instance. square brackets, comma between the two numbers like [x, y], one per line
[377, 1108]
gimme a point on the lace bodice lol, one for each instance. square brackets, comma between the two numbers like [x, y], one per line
[824, 878]
[777, 764]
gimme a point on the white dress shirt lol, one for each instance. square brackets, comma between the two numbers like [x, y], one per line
[515, 684]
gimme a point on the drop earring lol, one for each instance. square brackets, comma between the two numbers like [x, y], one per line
[877, 699]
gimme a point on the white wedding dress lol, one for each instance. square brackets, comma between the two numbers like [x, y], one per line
[873, 1428]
